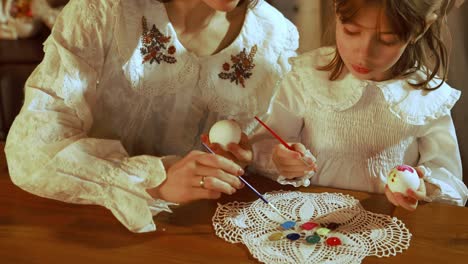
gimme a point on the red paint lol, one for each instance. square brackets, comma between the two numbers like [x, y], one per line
[333, 241]
[405, 168]
[309, 225]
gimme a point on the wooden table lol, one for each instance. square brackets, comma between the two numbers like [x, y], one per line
[38, 230]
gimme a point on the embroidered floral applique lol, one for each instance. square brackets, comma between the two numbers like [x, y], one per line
[155, 45]
[241, 68]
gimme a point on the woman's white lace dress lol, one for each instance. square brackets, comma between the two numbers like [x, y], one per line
[117, 93]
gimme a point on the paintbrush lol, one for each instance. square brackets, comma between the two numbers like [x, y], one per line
[252, 188]
[281, 140]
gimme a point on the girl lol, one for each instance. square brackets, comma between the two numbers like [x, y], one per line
[371, 103]
[126, 84]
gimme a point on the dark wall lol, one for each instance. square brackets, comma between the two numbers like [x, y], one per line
[458, 78]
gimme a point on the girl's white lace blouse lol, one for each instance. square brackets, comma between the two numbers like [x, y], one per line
[116, 84]
[358, 130]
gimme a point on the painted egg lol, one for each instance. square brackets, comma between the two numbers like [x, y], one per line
[402, 178]
[225, 132]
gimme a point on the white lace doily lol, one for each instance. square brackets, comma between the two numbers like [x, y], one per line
[361, 232]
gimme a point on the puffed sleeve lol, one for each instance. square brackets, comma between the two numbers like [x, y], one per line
[440, 162]
[48, 149]
[285, 118]
[290, 42]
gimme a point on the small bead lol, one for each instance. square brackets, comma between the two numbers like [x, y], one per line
[323, 231]
[313, 239]
[288, 224]
[293, 236]
[333, 241]
[333, 226]
[309, 225]
[275, 236]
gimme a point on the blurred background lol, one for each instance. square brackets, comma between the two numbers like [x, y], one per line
[21, 51]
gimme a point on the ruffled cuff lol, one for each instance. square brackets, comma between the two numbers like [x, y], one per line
[146, 171]
[265, 166]
[438, 190]
[134, 207]
[156, 207]
[299, 181]
[296, 182]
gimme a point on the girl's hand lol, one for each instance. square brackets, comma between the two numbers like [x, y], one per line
[289, 163]
[411, 199]
[199, 175]
[239, 153]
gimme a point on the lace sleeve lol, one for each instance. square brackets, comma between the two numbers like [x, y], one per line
[48, 150]
[286, 119]
[440, 161]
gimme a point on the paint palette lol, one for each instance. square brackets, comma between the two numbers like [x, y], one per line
[310, 232]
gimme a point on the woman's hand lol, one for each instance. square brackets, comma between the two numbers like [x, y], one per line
[239, 153]
[411, 199]
[199, 175]
[292, 164]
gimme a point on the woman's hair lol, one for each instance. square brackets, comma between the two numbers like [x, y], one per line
[408, 19]
[251, 2]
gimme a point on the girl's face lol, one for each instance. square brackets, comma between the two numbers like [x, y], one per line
[367, 44]
[222, 5]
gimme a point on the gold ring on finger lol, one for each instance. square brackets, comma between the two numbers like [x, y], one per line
[202, 182]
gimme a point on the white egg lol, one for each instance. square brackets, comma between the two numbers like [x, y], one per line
[225, 132]
[401, 178]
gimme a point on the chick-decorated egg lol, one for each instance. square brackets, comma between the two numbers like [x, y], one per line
[403, 177]
[225, 132]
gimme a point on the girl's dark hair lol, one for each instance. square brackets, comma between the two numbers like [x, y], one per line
[252, 3]
[408, 20]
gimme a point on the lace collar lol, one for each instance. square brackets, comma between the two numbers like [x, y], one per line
[414, 106]
[239, 79]
[146, 36]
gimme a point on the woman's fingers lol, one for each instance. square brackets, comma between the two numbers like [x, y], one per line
[203, 193]
[205, 139]
[241, 154]
[213, 184]
[230, 179]
[220, 162]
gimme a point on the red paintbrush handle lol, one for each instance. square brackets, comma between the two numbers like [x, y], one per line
[274, 134]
